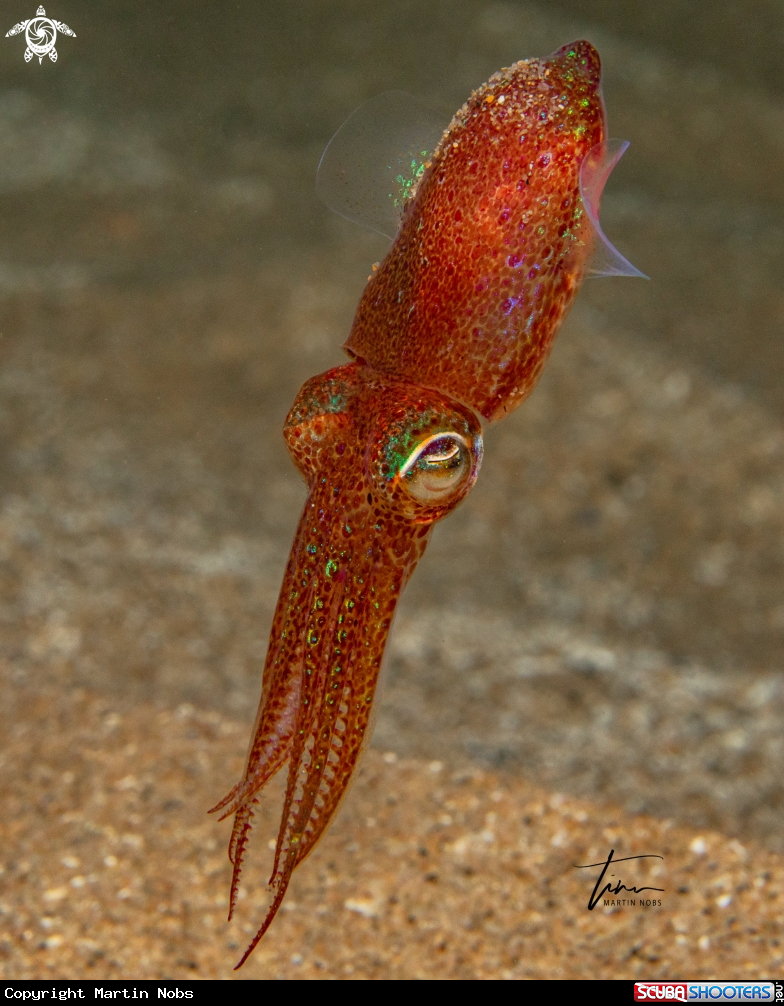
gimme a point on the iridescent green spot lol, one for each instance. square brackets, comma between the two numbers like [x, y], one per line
[405, 184]
[312, 638]
[335, 403]
[312, 549]
[331, 567]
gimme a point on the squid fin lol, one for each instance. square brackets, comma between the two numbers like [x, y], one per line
[599, 162]
[373, 162]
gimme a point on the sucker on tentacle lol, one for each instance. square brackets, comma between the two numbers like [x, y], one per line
[452, 329]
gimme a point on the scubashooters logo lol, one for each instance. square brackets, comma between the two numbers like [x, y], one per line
[645, 992]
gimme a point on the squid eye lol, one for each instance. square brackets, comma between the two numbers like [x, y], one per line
[437, 469]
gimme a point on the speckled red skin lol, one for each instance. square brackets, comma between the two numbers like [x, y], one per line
[456, 324]
[492, 249]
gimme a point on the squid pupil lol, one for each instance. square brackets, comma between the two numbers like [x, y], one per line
[437, 469]
[441, 454]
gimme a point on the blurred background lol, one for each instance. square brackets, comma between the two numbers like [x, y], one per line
[604, 615]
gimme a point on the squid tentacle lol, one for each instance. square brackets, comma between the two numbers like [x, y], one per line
[321, 779]
[304, 766]
[240, 833]
[353, 725]
[328, 745]
[318, 712]
[275, 722]
[330, 658]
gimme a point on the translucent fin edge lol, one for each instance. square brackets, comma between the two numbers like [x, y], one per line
[596, 168]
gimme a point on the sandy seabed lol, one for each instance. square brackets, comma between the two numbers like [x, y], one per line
[114, 871]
